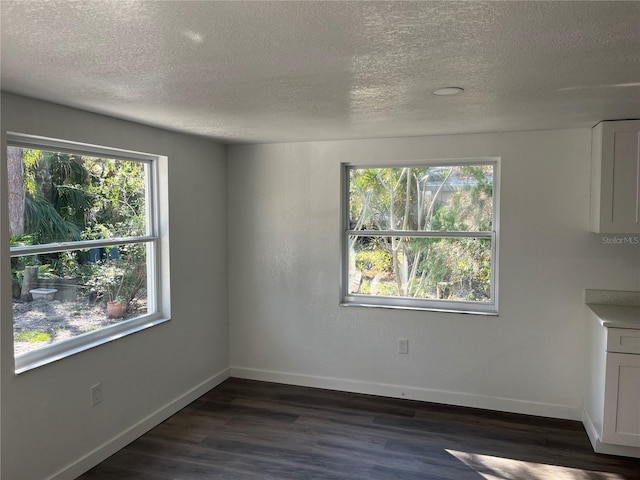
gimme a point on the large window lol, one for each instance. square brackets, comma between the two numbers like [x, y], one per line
[84, 226]
[421, 236]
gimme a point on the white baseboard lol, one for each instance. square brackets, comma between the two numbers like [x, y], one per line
[412, 393]
[606, 448]
[110, 447]
[592, 432]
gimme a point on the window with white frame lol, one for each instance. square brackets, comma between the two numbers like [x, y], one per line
[421, 236]
[84, 225]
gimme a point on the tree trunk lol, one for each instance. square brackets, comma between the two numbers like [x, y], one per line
[29, 282]
[44, 180]
[16, 190]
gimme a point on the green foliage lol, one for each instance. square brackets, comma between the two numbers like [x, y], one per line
[119, 280]
[70, 197]
[68, 168]
[54, 199]
[46, 223]
[32, 336]
[437, 199]
[118, 190]
[19, 263]
[464, 263]
[31, 160]
[378, 286]
[66, 264]
[373, 260]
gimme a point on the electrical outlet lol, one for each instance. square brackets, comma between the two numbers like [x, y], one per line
[403, 346]
[96, 394]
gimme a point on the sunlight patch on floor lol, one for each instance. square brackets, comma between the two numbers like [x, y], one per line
[498, 468]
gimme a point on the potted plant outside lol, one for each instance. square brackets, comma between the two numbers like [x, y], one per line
[119, 281]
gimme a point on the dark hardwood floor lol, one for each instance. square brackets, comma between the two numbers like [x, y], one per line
[249, 430]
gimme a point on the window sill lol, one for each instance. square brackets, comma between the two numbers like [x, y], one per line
[448, 307]
[58, 351]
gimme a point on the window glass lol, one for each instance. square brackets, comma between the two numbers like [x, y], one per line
[446, 198]
[72, 293]
[69, 197]
[435, 268]
[421, 236]
[83, 245]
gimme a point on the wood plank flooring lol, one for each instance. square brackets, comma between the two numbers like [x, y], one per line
[246, 430]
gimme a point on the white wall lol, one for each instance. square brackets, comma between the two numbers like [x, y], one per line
[283, 250]
[286, 324]
[48, 425]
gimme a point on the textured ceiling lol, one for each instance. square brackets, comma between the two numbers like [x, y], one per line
[290, 71]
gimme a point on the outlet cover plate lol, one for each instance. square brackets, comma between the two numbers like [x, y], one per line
[96, 394]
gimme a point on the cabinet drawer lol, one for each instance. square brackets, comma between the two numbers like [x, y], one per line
[623, 340]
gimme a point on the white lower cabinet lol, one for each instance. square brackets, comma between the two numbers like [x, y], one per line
[621, 422]
[612, 401]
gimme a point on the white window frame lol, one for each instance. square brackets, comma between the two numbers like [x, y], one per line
[157, 251]
[409, 303]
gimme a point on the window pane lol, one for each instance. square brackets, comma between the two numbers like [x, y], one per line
[421, 267]
[61, 295]
[444, 198]
[58, 197]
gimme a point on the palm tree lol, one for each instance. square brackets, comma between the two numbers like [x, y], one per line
[53, 194]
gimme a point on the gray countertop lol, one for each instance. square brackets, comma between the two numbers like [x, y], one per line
[617, 316]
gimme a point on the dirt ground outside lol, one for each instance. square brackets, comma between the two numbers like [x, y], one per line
[44, 322]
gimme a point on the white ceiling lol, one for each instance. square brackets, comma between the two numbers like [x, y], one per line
[290, 71]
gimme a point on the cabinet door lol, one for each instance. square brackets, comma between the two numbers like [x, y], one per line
[621, 423]
[615, 182]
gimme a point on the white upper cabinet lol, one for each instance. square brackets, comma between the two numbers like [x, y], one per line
[615, 177]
